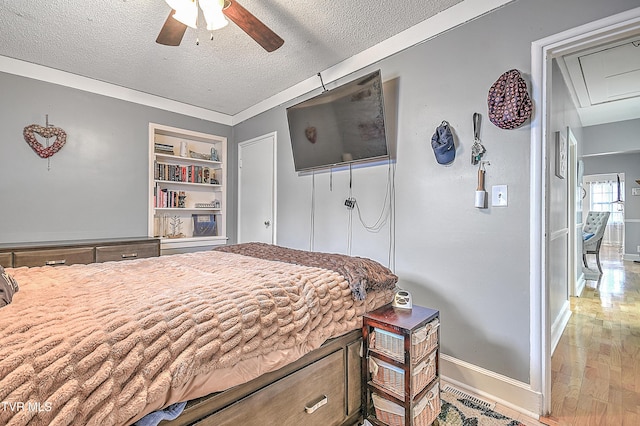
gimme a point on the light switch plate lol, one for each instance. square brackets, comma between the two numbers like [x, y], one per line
[499, 196]
[635, 191]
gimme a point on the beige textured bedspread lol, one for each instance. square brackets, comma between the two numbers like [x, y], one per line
[95, 344]
[362, 274]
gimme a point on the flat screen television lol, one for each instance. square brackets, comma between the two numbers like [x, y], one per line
[340, 126]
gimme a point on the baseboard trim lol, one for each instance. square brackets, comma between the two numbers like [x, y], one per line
[559, 325]
[628, 256]
[490, 385]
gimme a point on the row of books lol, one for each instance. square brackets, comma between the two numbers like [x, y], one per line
[163, 148]
[190, 173]
[165, 198]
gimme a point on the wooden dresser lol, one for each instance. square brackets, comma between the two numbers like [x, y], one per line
[80, 251]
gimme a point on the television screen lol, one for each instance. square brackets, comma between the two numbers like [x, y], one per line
[339, 126]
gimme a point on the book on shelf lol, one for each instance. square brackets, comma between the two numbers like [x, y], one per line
[162, 148]
[180, 173]
[168, 199]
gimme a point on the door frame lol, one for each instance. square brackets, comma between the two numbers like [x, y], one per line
[542, 52]
[274, 195]
[572, 181]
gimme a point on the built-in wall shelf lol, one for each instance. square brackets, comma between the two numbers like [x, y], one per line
[182, 175]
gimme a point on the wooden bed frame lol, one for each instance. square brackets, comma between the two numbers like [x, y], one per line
[323, 388]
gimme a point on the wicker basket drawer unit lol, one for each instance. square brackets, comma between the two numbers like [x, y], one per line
[423, 341]
[424, 411]
[391, 377]
[401, 383]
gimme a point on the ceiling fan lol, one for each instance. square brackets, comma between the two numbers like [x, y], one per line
[184, 13]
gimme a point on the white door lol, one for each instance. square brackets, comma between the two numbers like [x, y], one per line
[257, 190]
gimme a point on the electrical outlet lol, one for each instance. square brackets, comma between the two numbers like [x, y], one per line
[638, 249]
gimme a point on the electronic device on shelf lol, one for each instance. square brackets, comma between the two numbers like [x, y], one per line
[402, 299]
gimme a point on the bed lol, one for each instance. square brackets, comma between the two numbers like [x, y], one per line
[107, 343]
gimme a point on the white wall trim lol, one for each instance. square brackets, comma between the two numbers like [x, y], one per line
[487, 384]
[74, 81]
[542, 51]
[423, 31]
[580, 284]
[632, 221]
[559, 233]
[631, 257]
[559, 325]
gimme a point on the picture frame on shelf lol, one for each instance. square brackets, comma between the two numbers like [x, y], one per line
[204, 225]
[561, 155]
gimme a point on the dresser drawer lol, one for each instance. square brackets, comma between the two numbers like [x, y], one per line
[284, 402]
[6, 259]
[127, 251]
[53, 257]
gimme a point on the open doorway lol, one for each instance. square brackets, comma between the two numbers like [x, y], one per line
[543, 52]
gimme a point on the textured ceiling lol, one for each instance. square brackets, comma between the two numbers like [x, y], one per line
[114, 41]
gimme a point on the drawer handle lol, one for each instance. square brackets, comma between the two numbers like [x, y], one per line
[55, 262]
[317, 405]
[129, 256]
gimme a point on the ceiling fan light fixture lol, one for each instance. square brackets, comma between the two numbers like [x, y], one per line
[186, 11]
[212, 11]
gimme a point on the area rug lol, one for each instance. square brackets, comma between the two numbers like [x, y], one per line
[460, 411]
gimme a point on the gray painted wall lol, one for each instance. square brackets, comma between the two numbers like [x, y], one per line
[618, 137]
[97, 183]
[471, 264]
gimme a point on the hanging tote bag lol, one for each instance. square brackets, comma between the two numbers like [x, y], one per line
[508, 101]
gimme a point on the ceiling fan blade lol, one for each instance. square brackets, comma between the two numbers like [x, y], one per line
[251, 25]
[172, 31]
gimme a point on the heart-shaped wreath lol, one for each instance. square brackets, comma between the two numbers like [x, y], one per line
[46, 132]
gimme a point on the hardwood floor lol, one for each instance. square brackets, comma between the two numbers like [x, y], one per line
[596, 366]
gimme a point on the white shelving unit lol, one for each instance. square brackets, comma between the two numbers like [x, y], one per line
[161, 215]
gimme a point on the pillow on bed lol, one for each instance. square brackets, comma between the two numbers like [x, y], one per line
[8, 286]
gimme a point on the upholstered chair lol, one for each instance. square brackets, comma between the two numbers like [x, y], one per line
[593, 232]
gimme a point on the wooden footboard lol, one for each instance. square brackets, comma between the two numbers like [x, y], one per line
[322, 388]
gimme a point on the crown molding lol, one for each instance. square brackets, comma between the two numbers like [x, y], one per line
[448, 19]
[67, 79]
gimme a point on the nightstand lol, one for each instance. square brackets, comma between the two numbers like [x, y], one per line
[400, 366]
